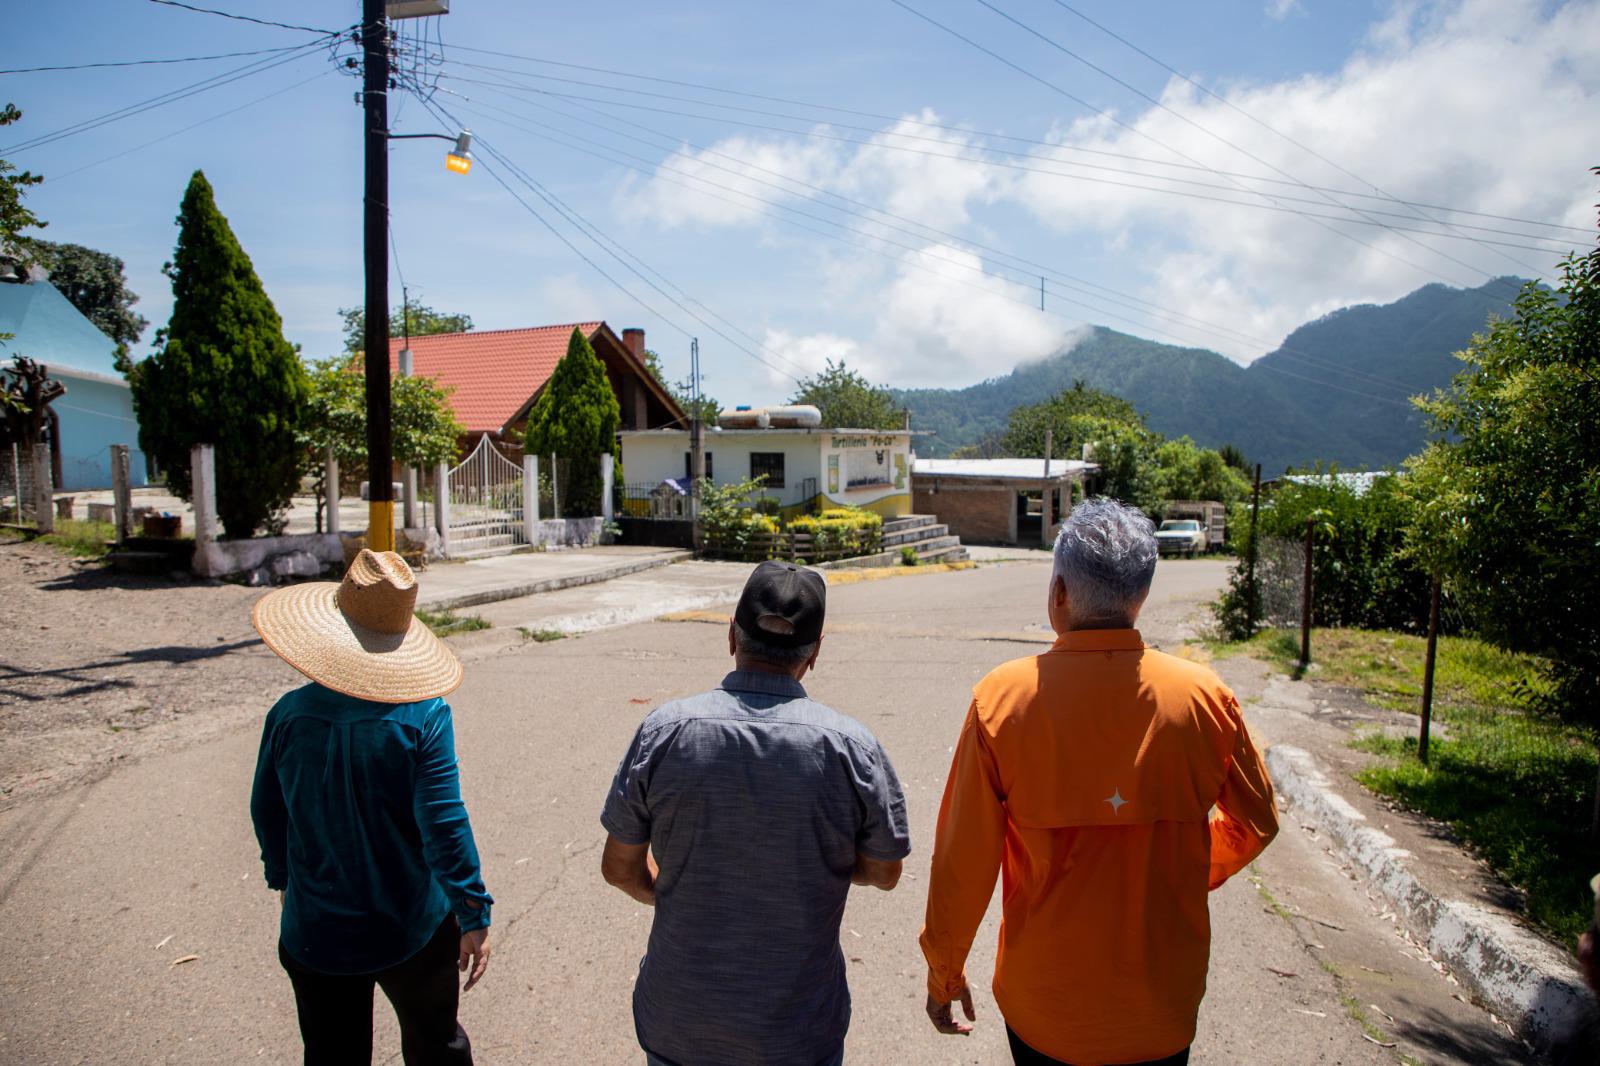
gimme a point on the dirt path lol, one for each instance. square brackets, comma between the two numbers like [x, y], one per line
[98, 667]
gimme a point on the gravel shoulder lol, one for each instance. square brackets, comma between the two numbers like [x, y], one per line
[98, 667]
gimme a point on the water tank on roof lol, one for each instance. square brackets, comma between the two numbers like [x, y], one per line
[795, 416]
[744, 418]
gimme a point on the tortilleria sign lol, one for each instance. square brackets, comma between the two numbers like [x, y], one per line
[864, 441]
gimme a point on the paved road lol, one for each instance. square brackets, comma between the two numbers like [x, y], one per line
[102, 889]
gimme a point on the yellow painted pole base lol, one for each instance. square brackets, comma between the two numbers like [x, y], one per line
[380, 525]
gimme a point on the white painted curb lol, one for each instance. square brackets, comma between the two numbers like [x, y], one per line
[1515, 974]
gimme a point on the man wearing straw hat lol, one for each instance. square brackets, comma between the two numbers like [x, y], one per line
[761, 807]
[357, 806]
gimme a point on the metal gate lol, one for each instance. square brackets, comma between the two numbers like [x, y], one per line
[483, 503]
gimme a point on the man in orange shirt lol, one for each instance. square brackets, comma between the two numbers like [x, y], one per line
[1114, 786]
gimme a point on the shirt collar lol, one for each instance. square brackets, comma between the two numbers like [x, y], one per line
[762, 682]
[1099, 640]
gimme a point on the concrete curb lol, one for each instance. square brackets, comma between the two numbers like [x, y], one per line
[1518, 976]
[551, 584]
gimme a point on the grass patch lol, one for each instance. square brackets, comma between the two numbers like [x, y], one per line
[543, 636]
[1518, 787]
[448, 623]
[73, 536]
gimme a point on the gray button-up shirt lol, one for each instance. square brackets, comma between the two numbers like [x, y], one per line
[755, 801]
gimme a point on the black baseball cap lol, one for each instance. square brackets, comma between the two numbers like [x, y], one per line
[783, 604]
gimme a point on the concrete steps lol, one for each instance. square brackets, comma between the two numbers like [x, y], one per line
[926, 535]
[482, 546]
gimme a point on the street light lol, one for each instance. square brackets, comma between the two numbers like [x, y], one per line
[459, 160]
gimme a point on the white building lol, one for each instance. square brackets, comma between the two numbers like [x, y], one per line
[806, 467]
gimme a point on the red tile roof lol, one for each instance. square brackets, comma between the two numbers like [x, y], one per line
[494, 371]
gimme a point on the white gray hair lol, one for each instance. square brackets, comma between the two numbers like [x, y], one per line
[752, 646]
[1105, 554]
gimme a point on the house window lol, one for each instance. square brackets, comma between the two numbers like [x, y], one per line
[688, 466]
[770, 464]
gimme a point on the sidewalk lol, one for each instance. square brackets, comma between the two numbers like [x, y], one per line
[448, 586]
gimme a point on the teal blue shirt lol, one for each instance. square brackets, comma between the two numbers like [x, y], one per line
[357, 806]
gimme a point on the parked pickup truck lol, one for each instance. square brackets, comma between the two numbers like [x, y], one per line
[1181, 536]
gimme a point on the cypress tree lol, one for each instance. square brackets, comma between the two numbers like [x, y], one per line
[222, 374]
[576, 417]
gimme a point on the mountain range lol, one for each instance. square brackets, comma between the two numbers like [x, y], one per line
[1336, 390]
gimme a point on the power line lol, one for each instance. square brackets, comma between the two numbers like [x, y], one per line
[193, 125]
[204, 85]
[245, 18]
[1316, 220]
[979, 160]
[149, 62]
[1064, 50]
[1226, 332]
[907, 120]
[945, 277]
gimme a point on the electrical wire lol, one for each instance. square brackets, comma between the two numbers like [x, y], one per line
[192, 125]
[243, 18]
[978, 160]
[652, 169]
[149, 62]
[1315, 220]
[194, 88]
[1064, 50]
[912, 264]
[907, 120]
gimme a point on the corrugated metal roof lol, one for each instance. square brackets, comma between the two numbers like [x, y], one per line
[1010, 469]
[493, 371]
[50, 330]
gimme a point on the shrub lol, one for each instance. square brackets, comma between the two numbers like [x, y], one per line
[841, 531]
[767, 505]
[908, 556]
[1361, 573]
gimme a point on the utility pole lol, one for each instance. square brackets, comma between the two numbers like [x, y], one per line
[1044, 495]
[375, 225]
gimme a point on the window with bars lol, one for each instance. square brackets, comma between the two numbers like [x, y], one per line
[770, 464]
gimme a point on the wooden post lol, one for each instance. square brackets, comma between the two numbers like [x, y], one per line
[43, 492]
[203, 491]
[1252, 598]
[1044, 496]
[121, 491]
[1427, 672]
[1305, 596]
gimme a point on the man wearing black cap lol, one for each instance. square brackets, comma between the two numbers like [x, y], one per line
[743, 815]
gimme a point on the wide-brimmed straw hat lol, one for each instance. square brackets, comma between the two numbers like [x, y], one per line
[359, 636]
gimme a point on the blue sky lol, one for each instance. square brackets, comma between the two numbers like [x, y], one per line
[964, 180]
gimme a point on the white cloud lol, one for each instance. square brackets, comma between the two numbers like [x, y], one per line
[1278, 10]
[938, 322]
[1485, 103]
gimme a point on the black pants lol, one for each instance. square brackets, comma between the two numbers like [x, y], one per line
[336, 1009]
[1023, 1055]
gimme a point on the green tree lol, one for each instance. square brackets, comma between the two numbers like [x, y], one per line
[1185, 471]
[422, 320]
[1512, 487]
[222, 374]
[576, 418]
[97, 285]
[1026, 425]
[848, 400]
[423, 426]
[1235, 458]
[683, 391]
[14, 185]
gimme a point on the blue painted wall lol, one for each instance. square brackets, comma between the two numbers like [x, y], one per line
[97, 410]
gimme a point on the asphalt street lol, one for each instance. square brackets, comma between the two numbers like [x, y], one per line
[106, 890]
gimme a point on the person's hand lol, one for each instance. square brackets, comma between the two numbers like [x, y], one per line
[474, 950]
[943, 1016]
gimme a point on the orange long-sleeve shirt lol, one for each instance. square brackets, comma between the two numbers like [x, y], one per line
[1114, 786]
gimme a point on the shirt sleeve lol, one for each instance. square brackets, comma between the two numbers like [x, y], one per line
[885, 834]
[967, 851]
[1246, 816]
[447, 843]
[626, 814]
[269, 813]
